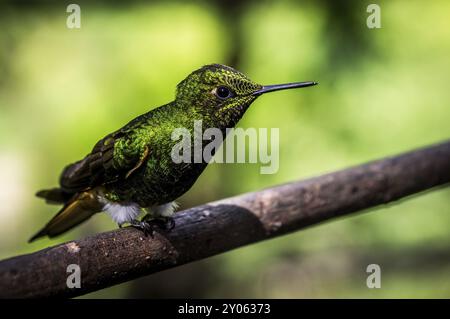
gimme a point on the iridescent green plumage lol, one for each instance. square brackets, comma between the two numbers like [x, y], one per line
[133, 166]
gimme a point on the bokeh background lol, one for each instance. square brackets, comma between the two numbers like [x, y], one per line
[382, 91]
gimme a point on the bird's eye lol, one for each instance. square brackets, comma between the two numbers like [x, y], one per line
[222, 92]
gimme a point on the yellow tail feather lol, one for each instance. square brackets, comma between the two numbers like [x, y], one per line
[78, 209]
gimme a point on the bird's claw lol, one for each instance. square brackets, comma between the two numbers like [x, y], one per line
[147, 225]
[169, 223]
[144, 226]
[166, 223]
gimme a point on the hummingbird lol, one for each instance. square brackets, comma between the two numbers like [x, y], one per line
[130, 172]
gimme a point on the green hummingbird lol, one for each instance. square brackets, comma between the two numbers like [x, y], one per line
[130, 172]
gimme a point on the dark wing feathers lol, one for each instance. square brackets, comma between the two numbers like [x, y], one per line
[77, 180]
[75, 176]
[95, 169]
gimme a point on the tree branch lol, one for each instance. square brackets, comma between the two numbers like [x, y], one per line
[121, 255]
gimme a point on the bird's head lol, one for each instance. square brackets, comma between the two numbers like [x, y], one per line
[223, 93]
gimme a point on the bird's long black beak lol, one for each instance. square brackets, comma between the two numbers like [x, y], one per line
[277, 87]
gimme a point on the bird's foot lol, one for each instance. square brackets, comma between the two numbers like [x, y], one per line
[144, 226]
[163, 222]
[169, 223]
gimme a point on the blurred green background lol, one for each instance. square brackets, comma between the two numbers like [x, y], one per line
[382, 91]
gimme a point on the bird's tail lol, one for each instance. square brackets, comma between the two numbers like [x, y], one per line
[76, 210]
[55, 195]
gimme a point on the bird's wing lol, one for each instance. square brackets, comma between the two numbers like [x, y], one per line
[99, 167]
